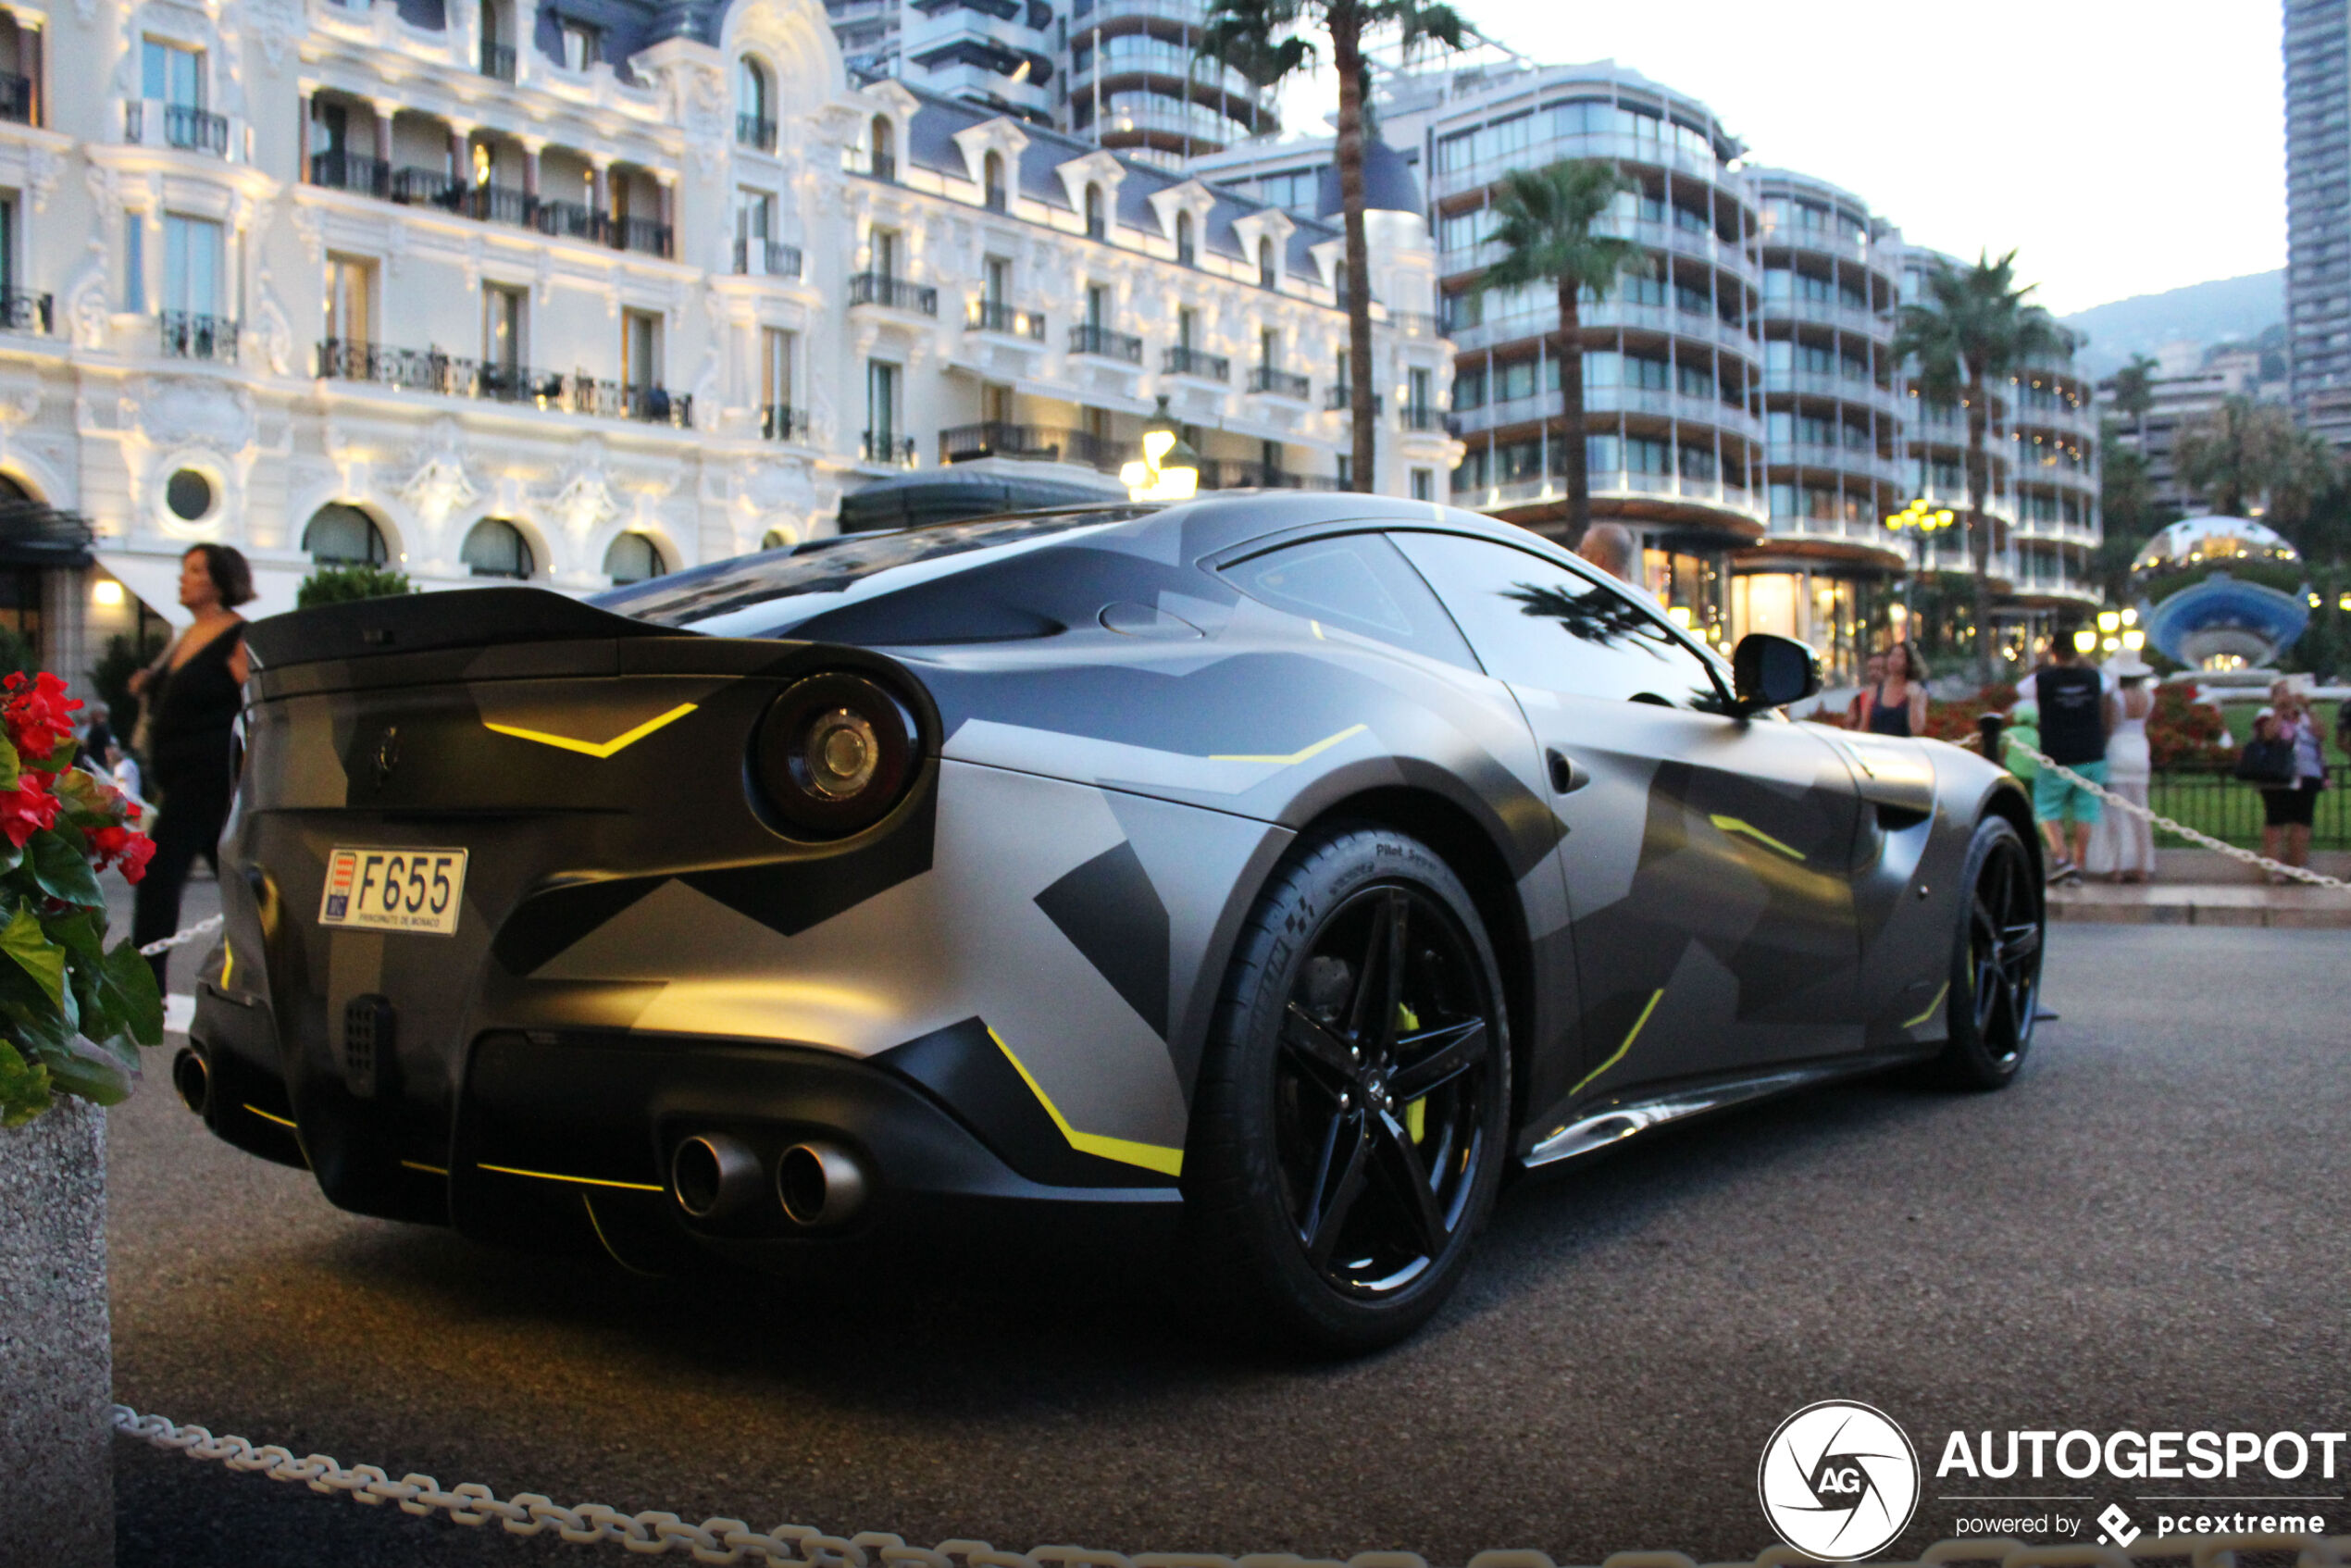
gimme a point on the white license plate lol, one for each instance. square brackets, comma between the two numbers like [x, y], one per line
[383, 889]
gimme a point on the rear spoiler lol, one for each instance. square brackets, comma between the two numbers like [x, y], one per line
[424, 623]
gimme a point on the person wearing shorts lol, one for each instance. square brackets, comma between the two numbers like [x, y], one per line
[2077, 714]
[2287, 813]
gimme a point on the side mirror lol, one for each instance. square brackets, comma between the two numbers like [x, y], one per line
[1771, 672]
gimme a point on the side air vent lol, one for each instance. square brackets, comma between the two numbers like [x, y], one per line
[368, 1046]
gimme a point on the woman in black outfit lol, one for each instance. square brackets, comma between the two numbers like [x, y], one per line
[194, 696]
[1898, 706]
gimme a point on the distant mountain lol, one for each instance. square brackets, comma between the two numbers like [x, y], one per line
[2217, 312]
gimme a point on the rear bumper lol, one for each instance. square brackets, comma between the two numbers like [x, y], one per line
[562, 1142]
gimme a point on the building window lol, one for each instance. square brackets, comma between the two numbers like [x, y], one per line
[170, 74]
[1187, 328]
[190, 265]
[134, 263]
[1184, 252]
[1097, 226]
[640, 350]
[496, 548]
[1269, 347]
[775, 368]
[502, 328]
[351, 289]
[633, 558]
[885, 263]
[1421, 397]
[344, 536]
[885, 144]
[1098, 305]
[754, 120]
[1424, 484]
[881, 409]
[1265, 264]
[991, 177]
[583, 43]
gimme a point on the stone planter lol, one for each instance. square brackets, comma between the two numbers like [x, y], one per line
[56, 1363]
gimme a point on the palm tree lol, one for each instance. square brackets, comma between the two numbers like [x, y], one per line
[1261, 39]
[2134, 391]
[1543, 223]
[2240, 451]
[1970, 335]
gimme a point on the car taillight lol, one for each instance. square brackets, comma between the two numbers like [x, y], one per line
[833, 754]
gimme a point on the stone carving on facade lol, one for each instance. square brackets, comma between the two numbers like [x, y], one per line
[438, 485]
[276, 23]
[193, 411]
[584, 502]
[703, 107]
[273, 332]
[41, 166]
[89, 310]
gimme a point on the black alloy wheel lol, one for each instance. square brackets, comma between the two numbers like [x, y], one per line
[1996, 974]
[1352, 1115]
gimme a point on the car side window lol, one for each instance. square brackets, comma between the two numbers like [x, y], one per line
[1356, 582]
[1535, 623]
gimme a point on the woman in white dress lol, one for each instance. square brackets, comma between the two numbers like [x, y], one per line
[2123, 846]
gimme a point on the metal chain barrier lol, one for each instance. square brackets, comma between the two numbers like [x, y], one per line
[203, 927]
[732, 1540]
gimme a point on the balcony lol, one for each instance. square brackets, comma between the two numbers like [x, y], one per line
[431, 370]
[349, 172]
[756, 132]
[1337, 399]
[1413, 323]
[1228, 473]
[1421, 417]
[893, 293]
[644, 235]
[498, 61]
[1104, 343]
[1280, 383]
[765, 259]
[883, 447]
[22, 312]
[16, 99]
[1038, 444]
[503, 204]
[782, 421]
[1181, 360]
[183, 126]
[995, 316]
[185, 335]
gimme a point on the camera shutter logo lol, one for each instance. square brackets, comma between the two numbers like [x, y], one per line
[1839, 1481]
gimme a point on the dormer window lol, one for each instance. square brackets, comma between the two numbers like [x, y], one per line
[1184, 252]
[1265, 264]
[992, 181]
[755, 113]
[885, 144]
[1097, 226]
[583, 43]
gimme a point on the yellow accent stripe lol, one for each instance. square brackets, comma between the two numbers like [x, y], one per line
[420, 1166]
[1151, 1156]
[609, 1250]
[1733, 825]
[580, 1181]
[267, 1117]
[227, 963]
[1655, 997]
[1295, 757]
[1931, 1007]
[598, 750]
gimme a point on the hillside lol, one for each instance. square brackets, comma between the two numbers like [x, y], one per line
[2220, 311]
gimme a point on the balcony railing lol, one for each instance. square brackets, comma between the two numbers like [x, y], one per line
[1104, 343]
[645, 235]
[426, 187]
[782, 421]
[893, 293]
[16, 99]
[1280, 383]
[1337, 399]
[431, 370]
[756, 131]
[1181, 360]
[1413, 323]
[1420, 417]
[500, 203]
[184, 126]
[189, 336]
[1041, 444]
[995, 316]
[498, 60]
[350, 172]
[22, 312]
[897, 451]
[1228, 473]
[757, 258]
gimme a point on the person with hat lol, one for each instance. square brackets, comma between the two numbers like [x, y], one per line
[2123, 842]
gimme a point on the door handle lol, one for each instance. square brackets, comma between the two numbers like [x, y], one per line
[1566, 778]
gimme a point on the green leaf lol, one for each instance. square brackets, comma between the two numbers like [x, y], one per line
[129, 987]
[99, 1079]
[24, 1086]
[24, 940]
[63, 870]
[10, 773]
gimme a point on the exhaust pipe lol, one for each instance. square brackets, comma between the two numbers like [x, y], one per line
[713, 1176]
[819, 1184]
[191, 1077]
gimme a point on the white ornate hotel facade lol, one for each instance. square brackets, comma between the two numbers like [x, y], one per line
[615, 289]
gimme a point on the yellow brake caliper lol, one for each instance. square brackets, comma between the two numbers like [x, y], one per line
[1417, 1114]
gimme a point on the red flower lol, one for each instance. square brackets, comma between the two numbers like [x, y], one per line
[125, 850]
[26, 811]
[37, 714]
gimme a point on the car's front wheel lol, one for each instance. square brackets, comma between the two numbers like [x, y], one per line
[1352, 1111]
[1996, 961]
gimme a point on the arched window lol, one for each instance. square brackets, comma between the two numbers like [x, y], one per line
[754, 116]
[885, 149]
[496, 548]
[777, 539]
[1265, 264]
[1095, 225]
[991, 174]
[633, 558]
[344, 536]
[1184, 239]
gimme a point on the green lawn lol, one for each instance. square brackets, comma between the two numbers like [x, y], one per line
[2231, 812]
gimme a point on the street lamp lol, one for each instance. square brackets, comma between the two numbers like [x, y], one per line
[1919, 519]
[1169, 468]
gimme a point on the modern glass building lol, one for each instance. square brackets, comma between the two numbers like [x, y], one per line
[2317, 199]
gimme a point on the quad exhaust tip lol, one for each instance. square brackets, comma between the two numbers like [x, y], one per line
[819, 1184]
[714, 1176]
[191, 1078]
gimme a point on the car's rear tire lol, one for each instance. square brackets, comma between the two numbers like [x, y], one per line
[1995, 962]
[1352, 1117]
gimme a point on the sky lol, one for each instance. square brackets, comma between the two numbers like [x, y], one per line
[2120, 146]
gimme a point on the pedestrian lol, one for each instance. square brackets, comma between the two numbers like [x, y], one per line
[97, 740]
[2287, 810]
[2123, 846]
[195, 702]
[1898, 703]
[1857, 711]
[1609, 547]
[2076, 718]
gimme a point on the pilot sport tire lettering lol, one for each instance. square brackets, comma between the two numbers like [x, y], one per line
[1352, 1118]
[1996, 961]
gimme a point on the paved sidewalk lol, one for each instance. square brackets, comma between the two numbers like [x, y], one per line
[2193, 903]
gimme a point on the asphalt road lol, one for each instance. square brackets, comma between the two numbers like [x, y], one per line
[2146, 1230]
